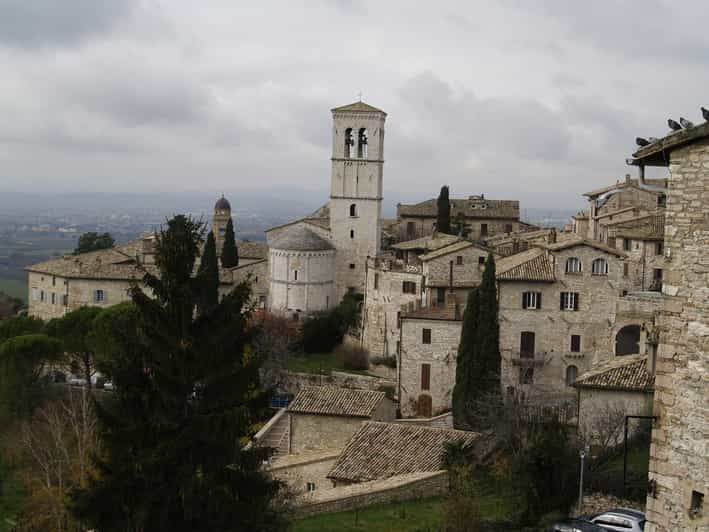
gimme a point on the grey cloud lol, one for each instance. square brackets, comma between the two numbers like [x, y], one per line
[37, 23]
[648, 30]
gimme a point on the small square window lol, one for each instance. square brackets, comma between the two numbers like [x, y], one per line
[459, 260]
[352, 266]
[627, 244]
[481, 260]
[426, 337]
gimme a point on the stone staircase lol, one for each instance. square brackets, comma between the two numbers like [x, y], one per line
[275, 434]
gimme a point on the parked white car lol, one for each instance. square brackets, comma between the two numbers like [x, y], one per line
[621, 519]
[108, 386]
[73, 380]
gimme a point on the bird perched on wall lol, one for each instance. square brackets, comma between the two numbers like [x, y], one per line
[674, 126]
[642, 142]
[686, 124]
[705, 114]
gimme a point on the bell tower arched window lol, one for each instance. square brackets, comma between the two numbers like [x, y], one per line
[353, 210]
[362, 143]
[349, 142]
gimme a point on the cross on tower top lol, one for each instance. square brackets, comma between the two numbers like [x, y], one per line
[360, 96]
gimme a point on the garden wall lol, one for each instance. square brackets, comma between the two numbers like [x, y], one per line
[394, 489]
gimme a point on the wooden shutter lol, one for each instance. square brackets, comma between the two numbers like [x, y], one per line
[524, 299]
[539, 300]
[576, 301]
[561, 300]
[575, 343]
[425, 376]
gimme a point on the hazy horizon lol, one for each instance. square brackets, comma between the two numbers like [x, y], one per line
[518, 100]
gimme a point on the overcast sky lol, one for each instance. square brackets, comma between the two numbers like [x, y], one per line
[537, 101]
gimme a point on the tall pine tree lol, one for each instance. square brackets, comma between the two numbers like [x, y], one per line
[230, 253]
[209, 276]
[443, 221]
[185, 401]
[477, 375]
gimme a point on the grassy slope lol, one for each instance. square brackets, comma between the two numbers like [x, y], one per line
[419, 515]
[317, 363]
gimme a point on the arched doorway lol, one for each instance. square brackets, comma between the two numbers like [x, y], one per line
[627, 341]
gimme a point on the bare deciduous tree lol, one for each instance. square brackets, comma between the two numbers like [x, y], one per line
[53, 452]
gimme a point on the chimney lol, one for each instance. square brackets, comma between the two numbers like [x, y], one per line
[627, 179]
[515, 246]
[552, 236]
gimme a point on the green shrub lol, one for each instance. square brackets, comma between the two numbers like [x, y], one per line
[389, 362]
[323, 331]
[353, 357]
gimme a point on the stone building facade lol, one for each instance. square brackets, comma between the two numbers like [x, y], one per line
[679, 452]
[559, 316]
[483, 217]
[427, 361]
[325, 417]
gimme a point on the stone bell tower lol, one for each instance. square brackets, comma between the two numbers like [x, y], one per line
[222, 214]
[356, 191]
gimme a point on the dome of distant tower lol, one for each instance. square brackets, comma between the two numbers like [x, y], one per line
[222, 204]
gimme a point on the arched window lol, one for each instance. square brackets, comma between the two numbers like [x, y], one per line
[353, 210]
[627, 341]
[571, 375]
[573, 265]
[349, 142]
[599, 267]
[362, 143]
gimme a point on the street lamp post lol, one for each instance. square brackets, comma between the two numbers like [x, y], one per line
[582, 455]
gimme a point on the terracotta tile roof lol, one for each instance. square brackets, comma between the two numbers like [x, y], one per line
[531, 265]
[359, 107]
[660, 182]
[451, 248]
[111, 263]
[658, 153]
[334, 401]
[383, 450]
[624, 373]
[493, 208]
[252, 250]
[427, 243]
[578, 241]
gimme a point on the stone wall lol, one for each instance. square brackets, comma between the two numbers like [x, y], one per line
[440, 354]
[257, 272]
[299, 470]
[79, 292]
[595, 405]
[287, 382]
[313, 432]
[679, 465]
[466, 275]
[384, 300]
[354, 496]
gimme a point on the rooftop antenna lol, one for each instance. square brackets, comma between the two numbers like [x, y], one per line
[360, 96]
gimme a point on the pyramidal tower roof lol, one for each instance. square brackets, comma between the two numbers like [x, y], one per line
[359, 107]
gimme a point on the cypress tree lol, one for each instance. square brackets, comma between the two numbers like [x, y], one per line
[478, 363]
[230, 253]
[209, 276]
[186, 398]
[443, 222]
[467, 363]
[488, 331]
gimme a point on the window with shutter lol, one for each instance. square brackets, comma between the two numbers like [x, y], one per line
[568, 301]
[575, 343]
[425, 376]
[426, 336]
